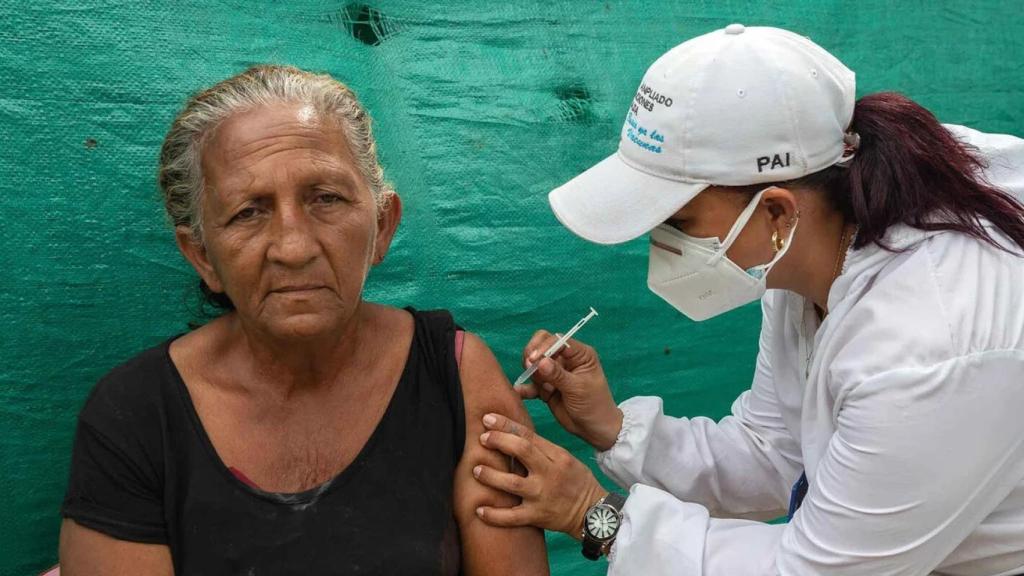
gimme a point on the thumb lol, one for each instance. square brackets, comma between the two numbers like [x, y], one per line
[552, 373]
[527, 391]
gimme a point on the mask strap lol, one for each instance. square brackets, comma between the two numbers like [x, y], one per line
[737, 228]
[765, 268]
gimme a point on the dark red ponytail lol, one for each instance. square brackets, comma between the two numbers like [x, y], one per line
[911, 170]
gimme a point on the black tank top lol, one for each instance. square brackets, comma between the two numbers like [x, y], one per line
[144, 470]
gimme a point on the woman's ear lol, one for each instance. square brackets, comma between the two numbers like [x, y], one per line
[388, 218]
[195, 252]
[782, 208]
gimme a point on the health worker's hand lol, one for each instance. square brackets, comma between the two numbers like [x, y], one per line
[557, 490]
[573, 385]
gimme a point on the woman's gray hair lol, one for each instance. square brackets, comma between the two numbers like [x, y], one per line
[180, 174]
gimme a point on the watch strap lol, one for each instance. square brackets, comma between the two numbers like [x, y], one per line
[615, 500]
[592, 548]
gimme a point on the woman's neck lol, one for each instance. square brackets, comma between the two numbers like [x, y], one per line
[819, 260]
[283, 366]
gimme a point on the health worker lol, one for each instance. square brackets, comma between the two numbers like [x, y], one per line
[885, 411]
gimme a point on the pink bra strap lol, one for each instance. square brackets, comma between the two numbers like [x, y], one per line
[460, 337]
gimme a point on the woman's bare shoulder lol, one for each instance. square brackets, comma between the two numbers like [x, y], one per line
[484, 384]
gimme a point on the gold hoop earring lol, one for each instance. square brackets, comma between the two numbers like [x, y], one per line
[778, 242]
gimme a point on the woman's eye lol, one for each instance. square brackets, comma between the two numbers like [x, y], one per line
[328, 198]
[245, 214]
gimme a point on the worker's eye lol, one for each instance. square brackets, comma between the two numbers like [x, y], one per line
[677, 223]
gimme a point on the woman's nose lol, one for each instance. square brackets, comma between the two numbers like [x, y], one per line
[293, 241]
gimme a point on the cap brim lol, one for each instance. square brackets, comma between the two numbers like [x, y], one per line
[613, 202]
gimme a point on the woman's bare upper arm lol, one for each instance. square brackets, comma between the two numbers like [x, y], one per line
[487, 549]
[86, 552]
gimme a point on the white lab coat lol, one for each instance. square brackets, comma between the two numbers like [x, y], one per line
[903, 406]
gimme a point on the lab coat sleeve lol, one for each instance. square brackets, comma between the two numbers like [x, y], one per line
[742, 466]
[920, 457]
[1003, 155]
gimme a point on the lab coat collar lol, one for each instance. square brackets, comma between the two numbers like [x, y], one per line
[863, 263]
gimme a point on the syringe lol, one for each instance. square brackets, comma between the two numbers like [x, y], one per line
[555, 348]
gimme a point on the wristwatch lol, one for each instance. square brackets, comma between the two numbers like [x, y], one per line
[601, 524]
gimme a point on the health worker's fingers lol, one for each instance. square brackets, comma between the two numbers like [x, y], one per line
[505, 517]
[523, 450]
[528, 391]
[503, 424]
[506, 482]
[538, 344]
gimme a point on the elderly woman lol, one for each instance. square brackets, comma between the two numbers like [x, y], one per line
[304, 431]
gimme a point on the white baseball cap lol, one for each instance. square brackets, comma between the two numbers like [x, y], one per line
[734, 107]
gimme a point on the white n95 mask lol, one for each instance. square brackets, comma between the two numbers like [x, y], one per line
[695, 276]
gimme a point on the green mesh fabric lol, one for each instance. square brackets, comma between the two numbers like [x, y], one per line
[481, 108]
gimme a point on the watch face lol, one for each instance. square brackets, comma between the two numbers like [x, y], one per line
[602, 522]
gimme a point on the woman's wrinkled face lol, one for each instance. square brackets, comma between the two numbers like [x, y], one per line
[291, 227]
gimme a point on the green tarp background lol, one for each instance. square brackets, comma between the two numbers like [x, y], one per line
[481, 108]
